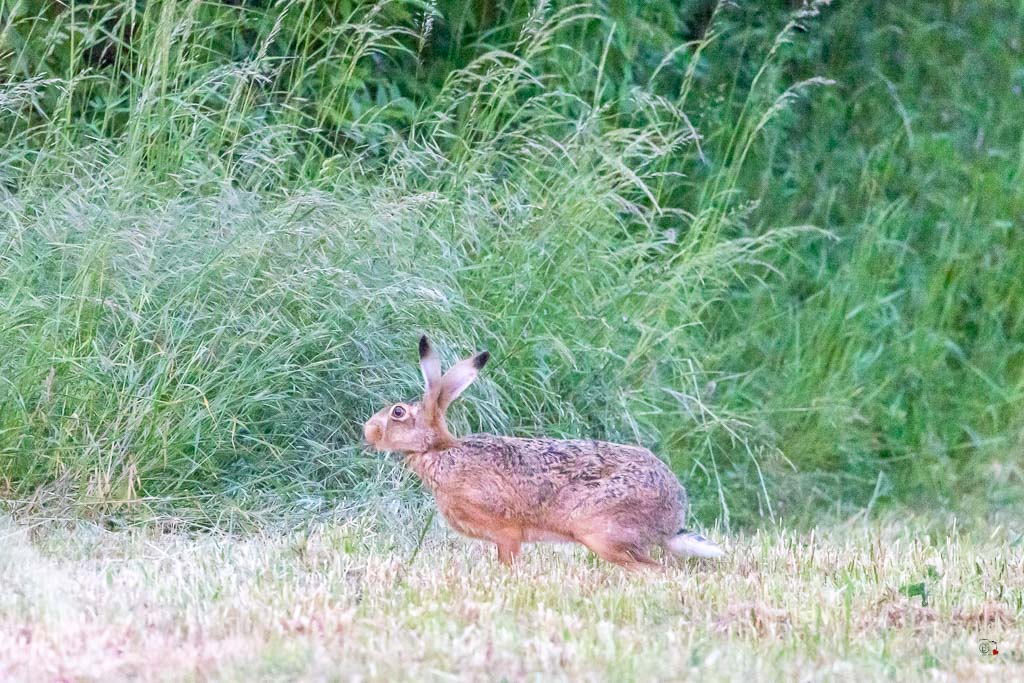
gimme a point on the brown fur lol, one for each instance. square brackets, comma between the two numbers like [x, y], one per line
[617, 500]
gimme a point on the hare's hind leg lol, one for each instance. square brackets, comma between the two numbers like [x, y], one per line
[623, 552]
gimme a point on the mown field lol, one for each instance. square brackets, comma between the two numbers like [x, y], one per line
[351, 600]
[780, 244]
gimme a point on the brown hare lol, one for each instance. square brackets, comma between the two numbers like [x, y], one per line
[619, 501]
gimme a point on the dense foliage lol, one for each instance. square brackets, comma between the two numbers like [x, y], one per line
[780, 244]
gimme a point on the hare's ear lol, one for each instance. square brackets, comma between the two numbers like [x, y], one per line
[429, 364]
[431, 368]
[459, 377]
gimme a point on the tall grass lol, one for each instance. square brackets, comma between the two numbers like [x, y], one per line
[224, 228]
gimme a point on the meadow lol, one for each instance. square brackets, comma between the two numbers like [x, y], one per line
[353, 600]
[780, 244]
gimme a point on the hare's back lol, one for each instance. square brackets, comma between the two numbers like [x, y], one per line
[561, 461]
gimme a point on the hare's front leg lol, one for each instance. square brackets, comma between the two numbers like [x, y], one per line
[476, 521]
[509, 542]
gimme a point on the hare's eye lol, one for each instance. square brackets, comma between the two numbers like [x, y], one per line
[398, 412]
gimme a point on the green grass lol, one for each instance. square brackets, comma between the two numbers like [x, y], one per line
[340, 601]
[222, 230]
[779, 245]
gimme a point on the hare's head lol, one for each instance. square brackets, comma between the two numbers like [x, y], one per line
[418, 427]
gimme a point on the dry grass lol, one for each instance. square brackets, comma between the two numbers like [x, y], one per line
[339, 601]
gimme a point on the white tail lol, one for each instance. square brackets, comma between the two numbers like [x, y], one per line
[692, 543]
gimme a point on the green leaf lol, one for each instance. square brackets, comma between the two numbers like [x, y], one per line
[914, 589]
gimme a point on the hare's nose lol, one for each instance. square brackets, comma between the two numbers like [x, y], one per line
[371, 432]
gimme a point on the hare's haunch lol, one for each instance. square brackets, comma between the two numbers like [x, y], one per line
[617, 500]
